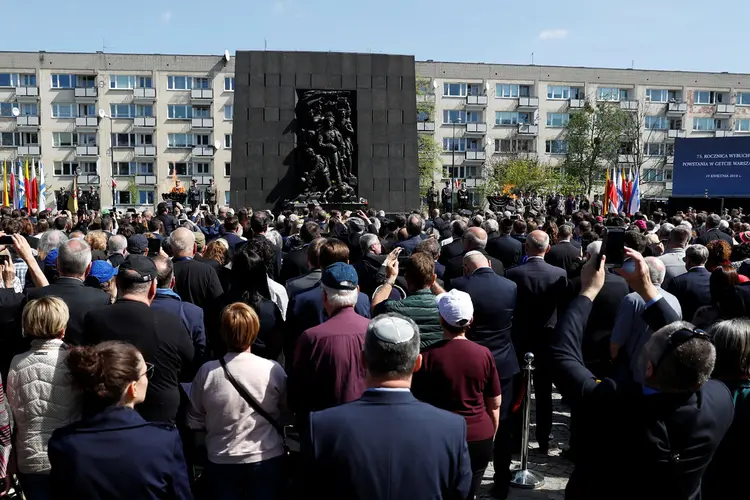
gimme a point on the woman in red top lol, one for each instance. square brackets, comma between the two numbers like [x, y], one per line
[460, 376]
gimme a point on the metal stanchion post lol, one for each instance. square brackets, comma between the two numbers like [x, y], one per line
[523, 477]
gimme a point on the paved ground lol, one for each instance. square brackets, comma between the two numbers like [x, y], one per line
[555, 469]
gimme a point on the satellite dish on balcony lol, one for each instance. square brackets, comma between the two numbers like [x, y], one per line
[227, 56]
[16, 111]
[102, 113]
[217, 144]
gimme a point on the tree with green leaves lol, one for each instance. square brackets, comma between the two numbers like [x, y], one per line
[428, 149]
[525, 174]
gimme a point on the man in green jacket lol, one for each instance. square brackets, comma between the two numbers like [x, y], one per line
[419, 303]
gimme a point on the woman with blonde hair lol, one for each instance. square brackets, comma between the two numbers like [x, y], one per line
[97, 240]
[245, 449]
[40, 394]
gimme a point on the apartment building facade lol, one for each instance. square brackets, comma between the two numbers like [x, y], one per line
[138, 120]
[486, 112]
[167, 116]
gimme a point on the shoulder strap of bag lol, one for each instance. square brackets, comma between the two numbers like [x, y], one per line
[252, 402]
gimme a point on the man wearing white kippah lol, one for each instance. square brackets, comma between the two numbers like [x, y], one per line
[388, 444]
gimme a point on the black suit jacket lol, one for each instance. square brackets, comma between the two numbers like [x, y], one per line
[452, 249]
[692, 290]
[494, 299]
[162, 339]
[294, 265]
[562, 255]
[648, 428]
[196, 282]
[714, 234]
[356, 452]
[79, 298]
[506, 249]
[455, 268]
[542, 288]
[606, 304]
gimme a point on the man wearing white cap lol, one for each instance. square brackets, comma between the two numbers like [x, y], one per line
[388, 444]
[460, 376]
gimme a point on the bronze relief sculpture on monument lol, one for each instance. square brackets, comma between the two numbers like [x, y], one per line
[325, 149]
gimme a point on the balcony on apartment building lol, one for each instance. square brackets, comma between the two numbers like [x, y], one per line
[145, 180]
[201, 94]
[144, 95]
[87, 122]
[528, 129]
[476, 101]
[27, 122]
[676, 108]
[31, 150]
[88, 178]
[475, 155]
[203, 123]
[426, 127]
[476, 128]
[724, 110]
[629, 105]
[577, 103]
[202, 180]
[529, 103]
[722, 133]
[86, 94]
[144, 122]
[87, 151]
[144, 151]
[426, 97]
[676, 134]
[203, 151]
[26, 94]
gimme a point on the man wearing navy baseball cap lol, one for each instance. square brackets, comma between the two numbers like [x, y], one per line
[327, 367]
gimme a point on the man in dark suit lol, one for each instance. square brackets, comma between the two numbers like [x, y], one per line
[414, 226]
[677, 399]
[494, 300]
[456, 247]
[73, 264]
[195, 282]
[505, 248]
[370, 266]
[295, 263]
[541, 289]
[564, 253]
[474, 239]
[388, 444]
[692, 288]
[159, 335]
[713, 232]
[305, 282]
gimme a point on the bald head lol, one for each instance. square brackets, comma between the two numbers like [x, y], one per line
[656, 269]
[182, 242]
[537, 243]
[474, 260]
[164, 272]
[475, 238]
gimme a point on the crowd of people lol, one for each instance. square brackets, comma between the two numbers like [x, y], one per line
[185, 355]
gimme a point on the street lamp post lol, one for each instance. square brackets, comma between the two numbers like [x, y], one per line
[103, 114]
[453, 163]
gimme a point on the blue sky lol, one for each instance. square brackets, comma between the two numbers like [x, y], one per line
[651, 34]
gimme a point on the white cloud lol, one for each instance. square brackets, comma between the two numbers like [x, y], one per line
[166, 16]
[556, 34]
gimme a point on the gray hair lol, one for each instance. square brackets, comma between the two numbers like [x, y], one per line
[73, 258]
[430, 246]
[541, 244]
[491, 226]
[697, 254]
[475, 241]
[594, 249]
[458, 228]
[713, 221]
[366, 241]
[656, 270]
[685, 369]
[732, 342]
[386, 359]
[50, 240]
[664, 230]
[679, 236]
[182, 241]
[341, 298]
[117, 244]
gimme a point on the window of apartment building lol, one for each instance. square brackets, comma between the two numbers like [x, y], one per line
[742, 125]
[29, 109]
[88, 167]
[226, 198]
[513, 145]
[87, 110]
[458, 144]
[124, 168]
[146, 196]
[454, 89]
[63, 110]
[179, 82]
[706, 97]
[656, 122]
[705, 124]
[123, 140]
[656, 95]
[130, 110]
[228, 112]
[86, 139]
[64, 167]
[6, 109]
[611, 94]
[557, 119]
[743, 98]
[201, 83]
[201, 112]
[121, 82]
[668, 174]
[178, 168]
[29, 139]
[123, 197]
[202, 139]
[85, 81]
[474, 145]
[63, 139]
[507, 90]
[675, 124]
[556, 147]
[180, 140]
[227, 169]
[145, 168]
[63, 81]
[561, 92]
[423, 116]
[475, 89]
[28, 80]
[16, 80]
[180, 111]
[10, 139]
[463, 172]
[228, 141]
[186, 168]
[653, 175]
[658, 149]
[454, 116]
[510, 117]
[229, 83]
[201, 168]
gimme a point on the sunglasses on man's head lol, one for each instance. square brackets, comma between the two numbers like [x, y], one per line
[678, 338]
